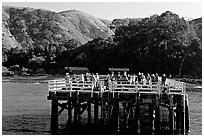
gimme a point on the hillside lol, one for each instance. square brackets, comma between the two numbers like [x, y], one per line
[106, 22]
[88, 26]
[34, 27]
[198, 23]
[37, 40]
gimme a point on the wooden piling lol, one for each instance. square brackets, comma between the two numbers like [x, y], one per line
[150, 106]
[102, 107]
[183, 114]
[69, 112]
[79, 109]
[187, 116]
[54, 115]
[96, 102]
[178, 115]
[157, 115]
[109, 106]
[124, 115]
[171, 115]
[76, 108]
[137, 115]
[89, 112]
[116, 114]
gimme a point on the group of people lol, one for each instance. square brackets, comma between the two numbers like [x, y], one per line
[139, 78]
[88, 77]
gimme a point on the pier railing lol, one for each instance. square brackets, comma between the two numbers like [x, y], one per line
[119, 86]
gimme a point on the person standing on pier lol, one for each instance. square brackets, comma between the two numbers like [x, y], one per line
[153, 78]
[163, 79]
[67, 78]
[157, 77]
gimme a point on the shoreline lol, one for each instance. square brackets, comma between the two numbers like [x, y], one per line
[31, 79]
[46, 78]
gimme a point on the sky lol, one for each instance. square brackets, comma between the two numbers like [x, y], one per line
[113, 10]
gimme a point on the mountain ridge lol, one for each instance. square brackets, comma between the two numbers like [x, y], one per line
[71, 25]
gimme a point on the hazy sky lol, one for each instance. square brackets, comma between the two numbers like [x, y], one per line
[112, 10]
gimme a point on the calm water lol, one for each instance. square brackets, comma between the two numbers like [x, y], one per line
[26, 110]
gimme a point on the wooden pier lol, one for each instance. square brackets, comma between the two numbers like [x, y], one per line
[122, 106]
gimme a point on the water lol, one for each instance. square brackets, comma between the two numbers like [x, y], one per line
[26, 110]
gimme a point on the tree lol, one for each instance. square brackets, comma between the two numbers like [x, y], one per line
[37, 63]
[155, 43]
[190, 50]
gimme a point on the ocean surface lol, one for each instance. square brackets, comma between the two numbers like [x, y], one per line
[26, 110]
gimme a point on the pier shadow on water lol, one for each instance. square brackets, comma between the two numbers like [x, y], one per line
[92, 129]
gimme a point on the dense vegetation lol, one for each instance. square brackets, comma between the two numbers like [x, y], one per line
[164, 44]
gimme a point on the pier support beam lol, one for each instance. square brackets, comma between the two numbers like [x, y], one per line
[54, 115]
[171, 115]
[187, 116]
[96, 96]
[125, 115]
[76, 108]
[89, 112]
[157, 115]
[115, 113]
[69, 112]
[150, 117]
[137, 115]
[178, 115]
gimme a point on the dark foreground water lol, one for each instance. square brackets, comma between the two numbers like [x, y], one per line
[26, 110]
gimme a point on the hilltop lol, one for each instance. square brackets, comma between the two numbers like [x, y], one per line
[27, 26]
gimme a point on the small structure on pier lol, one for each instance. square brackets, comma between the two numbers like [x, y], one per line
[122, 107]
[118, 69]
[77, 70]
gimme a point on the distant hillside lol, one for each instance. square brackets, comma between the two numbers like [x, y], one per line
[86, 25]
[125, 21]
[198, 23]
[106, 22]
[28, 28]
